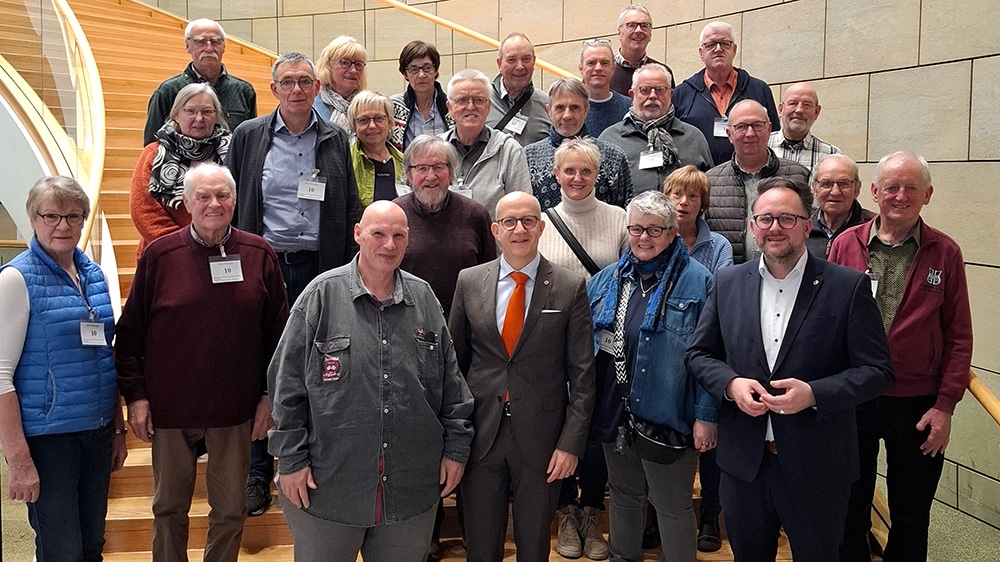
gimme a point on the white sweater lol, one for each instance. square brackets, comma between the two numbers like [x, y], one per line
[599, 227]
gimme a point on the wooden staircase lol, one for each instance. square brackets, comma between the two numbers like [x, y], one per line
[136, 48]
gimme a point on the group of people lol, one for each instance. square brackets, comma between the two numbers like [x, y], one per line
[524, 297]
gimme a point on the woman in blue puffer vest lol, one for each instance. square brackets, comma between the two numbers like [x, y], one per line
[61, 426]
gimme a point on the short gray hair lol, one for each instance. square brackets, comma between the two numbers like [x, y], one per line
[925, 168]
[192, 90]
[633, 8]
[430, 144]
[203, 21]
[203, 170]
[469, 75]
[291, 58]
[654, 203]
[837, 156]
[570, 86]
[61, 190]
[655, 66]
[717, 25]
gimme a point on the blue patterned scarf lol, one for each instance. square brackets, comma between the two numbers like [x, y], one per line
[667, 267]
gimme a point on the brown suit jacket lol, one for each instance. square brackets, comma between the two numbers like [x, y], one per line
[555, 348]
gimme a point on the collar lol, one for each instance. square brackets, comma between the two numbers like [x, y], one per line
[421, 210]
[730, 81]
[358, 289]
[280, 127]
[201, 78]
[915, 233]
[484, 137]
[531, 270]
[502, 89]
[620, 59]
[578, 208]
[806, 142]
[800, 268]
[222, 243]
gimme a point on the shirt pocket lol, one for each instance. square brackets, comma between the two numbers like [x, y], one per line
[334, 356]
[681, 315]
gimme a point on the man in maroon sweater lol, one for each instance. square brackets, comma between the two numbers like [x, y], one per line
[918, 276]
[203, 319]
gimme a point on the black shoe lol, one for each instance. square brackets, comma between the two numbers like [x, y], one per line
[651, 536]
[434, 551]
[708, 537]
[258, 498]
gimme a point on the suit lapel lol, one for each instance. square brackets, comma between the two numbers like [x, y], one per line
[491, 276]
[811, 279]
[751, 311]
[539, 296]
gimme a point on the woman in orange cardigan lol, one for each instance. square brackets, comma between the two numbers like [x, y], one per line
[195, 132]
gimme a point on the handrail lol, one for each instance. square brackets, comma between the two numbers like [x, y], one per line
[90, 97]
[472, 34]
[985, 396]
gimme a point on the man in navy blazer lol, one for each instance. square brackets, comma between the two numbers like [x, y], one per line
[789, 345]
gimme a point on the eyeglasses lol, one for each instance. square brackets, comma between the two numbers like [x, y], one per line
[510, 223]
[414, 70]
[52, 219]
[288, 84]
[596, 43]
[357, 64]
[477, 101]
[633, 25]
[712, 45]
[203, 41]
[423, 169]
[652, 231]
[785, 220]
[364, 121]
[843, 185]
[206, 113]
[660, 90]
[757, 126]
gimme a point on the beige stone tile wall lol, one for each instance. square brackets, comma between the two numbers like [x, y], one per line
[922, 75]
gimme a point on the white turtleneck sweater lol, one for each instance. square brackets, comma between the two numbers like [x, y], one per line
[599, 227]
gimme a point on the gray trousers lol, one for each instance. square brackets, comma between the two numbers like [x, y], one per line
[319, 540]
[669, 489]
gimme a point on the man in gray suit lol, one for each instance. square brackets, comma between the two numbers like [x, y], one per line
[522, 330]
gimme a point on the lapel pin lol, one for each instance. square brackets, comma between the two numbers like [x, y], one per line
[815, 281]
[546, 282]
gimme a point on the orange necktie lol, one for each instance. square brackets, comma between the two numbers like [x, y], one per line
[514, 319]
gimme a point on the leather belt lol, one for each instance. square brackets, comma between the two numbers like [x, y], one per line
[295, 258]
[769, 447]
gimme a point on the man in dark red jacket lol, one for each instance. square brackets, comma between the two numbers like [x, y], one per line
[918, 276]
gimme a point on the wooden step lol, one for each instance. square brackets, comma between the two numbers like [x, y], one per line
[284, 553]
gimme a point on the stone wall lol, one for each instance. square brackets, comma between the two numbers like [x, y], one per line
[922, 75]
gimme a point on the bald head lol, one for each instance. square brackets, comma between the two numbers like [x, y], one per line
[519, 243]
[382, 237]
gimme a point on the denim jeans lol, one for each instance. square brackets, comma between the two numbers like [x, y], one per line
[74, 472]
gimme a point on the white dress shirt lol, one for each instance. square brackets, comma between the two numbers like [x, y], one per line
[506, 284]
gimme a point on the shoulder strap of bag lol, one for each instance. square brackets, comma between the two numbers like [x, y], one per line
[514, 109]
[574, 244]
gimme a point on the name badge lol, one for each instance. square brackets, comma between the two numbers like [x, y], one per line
[92, 334]
[607, 342]
[516, 125]
[650, 159]
[720, 126]
[402, 189]
[227, 269]
[313, 189]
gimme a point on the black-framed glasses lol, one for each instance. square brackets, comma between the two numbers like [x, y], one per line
[288, 84]
[757, 126]
[843, 185]
[652, 231]
[510, 223]
[713, 45]
[784, 220]
[357, 64]
[633, 25]
[53, 219]
[414, 70]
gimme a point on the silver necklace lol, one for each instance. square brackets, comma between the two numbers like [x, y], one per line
[644, 290]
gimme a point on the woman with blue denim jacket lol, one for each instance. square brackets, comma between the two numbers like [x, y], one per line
[645, 310]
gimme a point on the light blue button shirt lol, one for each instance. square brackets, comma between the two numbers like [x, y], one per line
[290, 224]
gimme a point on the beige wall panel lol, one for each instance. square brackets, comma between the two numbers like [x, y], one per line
[780, 43]
[951, 30]
[296, 34]
[925, 110]
[657, 47]
[486, 62]
[715, 8]
[947, 490]
[265, 33]
[563, 55]
[984, 136]
[176, 7]
[964, 205]
[979, 496]
[211, 9]
[542, 22]
[669, 12]
[232, 9]
[393, 30]
[310, 7]
[242, 29]
[358, 4]
[984, 292]
[682, 46]
[844, 117]
[597, 18]
[383, 76]
[443, 40]
[476, 15]
[866, 36]
[328, 26]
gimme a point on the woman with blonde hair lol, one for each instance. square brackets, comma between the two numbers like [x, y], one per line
[378, 165]
[341, 71]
